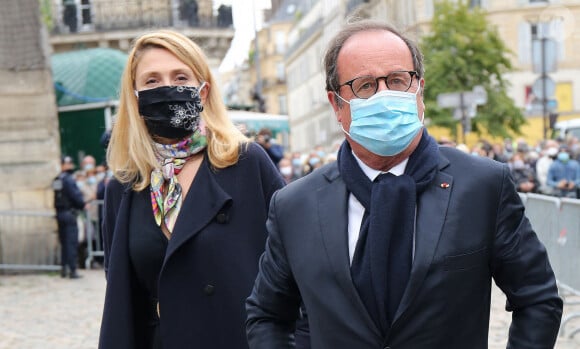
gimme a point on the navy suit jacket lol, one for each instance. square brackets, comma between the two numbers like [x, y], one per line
[470, 229]
[210, 264]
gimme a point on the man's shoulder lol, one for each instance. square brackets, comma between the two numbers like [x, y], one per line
[459, 157]
[473, 168]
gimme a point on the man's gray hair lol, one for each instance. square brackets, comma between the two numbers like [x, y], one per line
[336, 44]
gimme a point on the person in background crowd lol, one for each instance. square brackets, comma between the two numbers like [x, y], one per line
[103, 176]
[285, 167]
[313, 162]
[297, 164]
[573, 147]
[275, 151]
[88, 163]
[508, 147]
[68, 200]
[184, 214]
[524, 176]
[498, 153]
[395, 245]
[105, 137]
[101, 188]
[100, 172]
[462, 147]
[564, 175]
[521, 145]
[446, 142]
[88, 220]
[549, 152]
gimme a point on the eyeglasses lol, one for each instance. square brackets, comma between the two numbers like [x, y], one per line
[366, 86]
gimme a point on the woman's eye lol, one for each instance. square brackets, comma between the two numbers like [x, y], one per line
[182, 79]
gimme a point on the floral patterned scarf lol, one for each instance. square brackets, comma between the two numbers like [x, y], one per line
[166, 193]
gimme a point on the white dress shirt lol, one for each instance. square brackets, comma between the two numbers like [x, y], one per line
[356, 209]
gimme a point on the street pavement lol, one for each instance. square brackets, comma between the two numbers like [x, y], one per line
[44, 311]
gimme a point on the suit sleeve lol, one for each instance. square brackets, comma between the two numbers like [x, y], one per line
[522, 270]
[273, 306]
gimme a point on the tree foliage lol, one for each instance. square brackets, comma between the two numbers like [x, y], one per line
[463, 50]
[46, 14]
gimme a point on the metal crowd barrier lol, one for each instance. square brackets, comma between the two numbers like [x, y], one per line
[556, 221]
[29, 239]
[92, 225]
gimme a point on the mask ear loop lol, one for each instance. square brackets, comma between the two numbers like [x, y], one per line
[417, 92]
[339, 96]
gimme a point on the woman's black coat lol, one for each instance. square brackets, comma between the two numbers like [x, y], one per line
[211, 260]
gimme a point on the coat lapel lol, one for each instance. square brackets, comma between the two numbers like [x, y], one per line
[431, 214]
[333, 215]
[205, 199]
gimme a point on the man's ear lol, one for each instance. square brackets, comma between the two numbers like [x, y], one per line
[335, 102]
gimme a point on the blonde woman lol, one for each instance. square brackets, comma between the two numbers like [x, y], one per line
[184, 216]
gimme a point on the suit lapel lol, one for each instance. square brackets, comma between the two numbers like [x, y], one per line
[333, 215]
[431, 214]
[203, 202]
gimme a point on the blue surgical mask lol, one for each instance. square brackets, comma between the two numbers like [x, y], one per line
[313, 161]
[519, 164]
[564, 157]
[91, 180]
[386, 123]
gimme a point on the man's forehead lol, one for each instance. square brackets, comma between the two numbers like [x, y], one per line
[372, 48]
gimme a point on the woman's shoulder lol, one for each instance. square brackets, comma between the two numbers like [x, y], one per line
[114, 189]
[254, 158]
[253, 152]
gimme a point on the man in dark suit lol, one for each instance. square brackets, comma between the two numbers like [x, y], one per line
[395, 245]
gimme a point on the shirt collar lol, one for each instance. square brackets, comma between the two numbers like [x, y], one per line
[372, 174]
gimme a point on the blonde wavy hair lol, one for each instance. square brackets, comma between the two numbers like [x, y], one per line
[130, 154]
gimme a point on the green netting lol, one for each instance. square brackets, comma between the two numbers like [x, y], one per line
[87, 76]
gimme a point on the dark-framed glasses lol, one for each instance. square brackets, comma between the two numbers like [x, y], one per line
[366, 86]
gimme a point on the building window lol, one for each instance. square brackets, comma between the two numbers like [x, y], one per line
[77, 15]
[188, 12]
[280, 71]
[429, 8]
[86, 12]
[528, 32]
[280, 42]
[282, 104]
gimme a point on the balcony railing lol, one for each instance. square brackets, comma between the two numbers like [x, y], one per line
[352, 4]
[113, 15]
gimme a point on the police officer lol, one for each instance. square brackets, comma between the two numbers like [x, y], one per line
[68, 200]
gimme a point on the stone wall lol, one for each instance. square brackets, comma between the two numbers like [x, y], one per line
[29, 137]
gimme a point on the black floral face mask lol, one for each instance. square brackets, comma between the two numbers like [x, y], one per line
[171, 111]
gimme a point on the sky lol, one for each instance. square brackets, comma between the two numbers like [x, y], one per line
[244, 29]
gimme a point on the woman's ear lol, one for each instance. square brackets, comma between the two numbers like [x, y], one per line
[204, 92]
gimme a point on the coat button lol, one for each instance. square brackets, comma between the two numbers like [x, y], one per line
[209, 289]
[221, 218]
